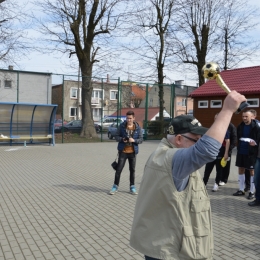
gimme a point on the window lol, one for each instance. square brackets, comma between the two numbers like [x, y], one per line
[253, 102]
[8, 83]
[73, 93]
[97, 93]
[73, 111]
[183, 102]
[215, 103]
[151, 102]
[203, 104]
[113, 94]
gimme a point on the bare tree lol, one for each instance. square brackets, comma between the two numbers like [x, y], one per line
[194, 34]
[150, 21]
[234, 38]
[215, 30]
[80, 27]
[13, 44]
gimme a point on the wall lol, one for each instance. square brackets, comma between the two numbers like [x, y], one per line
[179, 95]
[206, 115]
[179, 109]
[57, 99]
[109, 106]
[26, 87]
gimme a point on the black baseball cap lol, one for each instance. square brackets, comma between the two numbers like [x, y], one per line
[186, 124]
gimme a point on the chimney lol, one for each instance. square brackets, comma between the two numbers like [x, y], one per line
[108, 80]
[179, 83]
[10, 67]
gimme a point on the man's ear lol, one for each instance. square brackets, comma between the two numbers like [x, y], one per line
[178, 139]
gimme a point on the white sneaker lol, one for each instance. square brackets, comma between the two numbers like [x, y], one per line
[215, 187]
[222, 183]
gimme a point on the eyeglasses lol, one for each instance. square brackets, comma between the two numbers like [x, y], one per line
[189, 138]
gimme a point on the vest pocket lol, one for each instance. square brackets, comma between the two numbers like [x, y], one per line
[200, 205]
[196, 243]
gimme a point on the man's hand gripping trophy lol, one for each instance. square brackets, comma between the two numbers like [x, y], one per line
[211, 70]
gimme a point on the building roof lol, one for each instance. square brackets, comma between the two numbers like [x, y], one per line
[243, 80]
[138, 92]
[183, 91]
[24, 71]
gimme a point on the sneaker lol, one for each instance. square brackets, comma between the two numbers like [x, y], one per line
[254, 203]
[239, 193]
[113, 190]
[215, 187]
[222, 183]
[247, 189]
[133, 190]
[251, 196]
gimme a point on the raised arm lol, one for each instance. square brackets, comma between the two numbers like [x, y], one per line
[220, 125]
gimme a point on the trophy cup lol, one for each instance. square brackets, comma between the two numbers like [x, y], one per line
[211, 70]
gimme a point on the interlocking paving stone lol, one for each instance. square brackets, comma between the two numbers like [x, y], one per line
[54, 204]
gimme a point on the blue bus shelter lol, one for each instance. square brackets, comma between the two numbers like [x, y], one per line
[30, 123]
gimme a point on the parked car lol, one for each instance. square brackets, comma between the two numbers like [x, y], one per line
[74, 127]
[58, 123]
[112, 130]
[104, 125]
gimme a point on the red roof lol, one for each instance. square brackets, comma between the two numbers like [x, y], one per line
[139, 92]
[243, 80]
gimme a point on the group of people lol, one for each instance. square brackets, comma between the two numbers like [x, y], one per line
[172, 217]
[247, 138]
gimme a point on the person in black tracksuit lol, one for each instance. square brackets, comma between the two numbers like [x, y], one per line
[247, 173]
[247, 149]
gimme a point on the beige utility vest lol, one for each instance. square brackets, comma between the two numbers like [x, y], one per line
[169, 224]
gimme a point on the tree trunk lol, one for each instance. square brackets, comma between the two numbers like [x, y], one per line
[88, 130]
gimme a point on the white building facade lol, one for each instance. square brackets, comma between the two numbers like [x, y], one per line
[25, 86]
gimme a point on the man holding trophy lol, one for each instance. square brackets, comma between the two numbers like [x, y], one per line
[172, 218]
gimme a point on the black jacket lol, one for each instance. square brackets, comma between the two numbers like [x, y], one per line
[233, 137]
[254, 134]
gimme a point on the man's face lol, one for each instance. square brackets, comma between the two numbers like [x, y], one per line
[130, 119]
[188, 140]
[247, 117]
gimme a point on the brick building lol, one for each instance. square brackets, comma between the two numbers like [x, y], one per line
[209, 97]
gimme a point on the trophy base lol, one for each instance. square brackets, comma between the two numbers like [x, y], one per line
[242, 106]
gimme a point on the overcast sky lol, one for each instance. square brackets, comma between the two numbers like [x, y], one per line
[50, 63]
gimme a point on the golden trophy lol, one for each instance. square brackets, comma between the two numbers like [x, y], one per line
[211, 70]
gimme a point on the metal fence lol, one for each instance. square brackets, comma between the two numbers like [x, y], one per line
[110, 98]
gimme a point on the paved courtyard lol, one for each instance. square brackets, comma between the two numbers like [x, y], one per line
[54, 204]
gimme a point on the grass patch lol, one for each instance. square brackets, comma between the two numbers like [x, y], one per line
[69, 137]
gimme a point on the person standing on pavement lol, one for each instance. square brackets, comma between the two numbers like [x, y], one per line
[223, 153]
[247, 172]
[233, 140]
[172, 217]
[256, 202]
[129, 136]
[248, 133]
